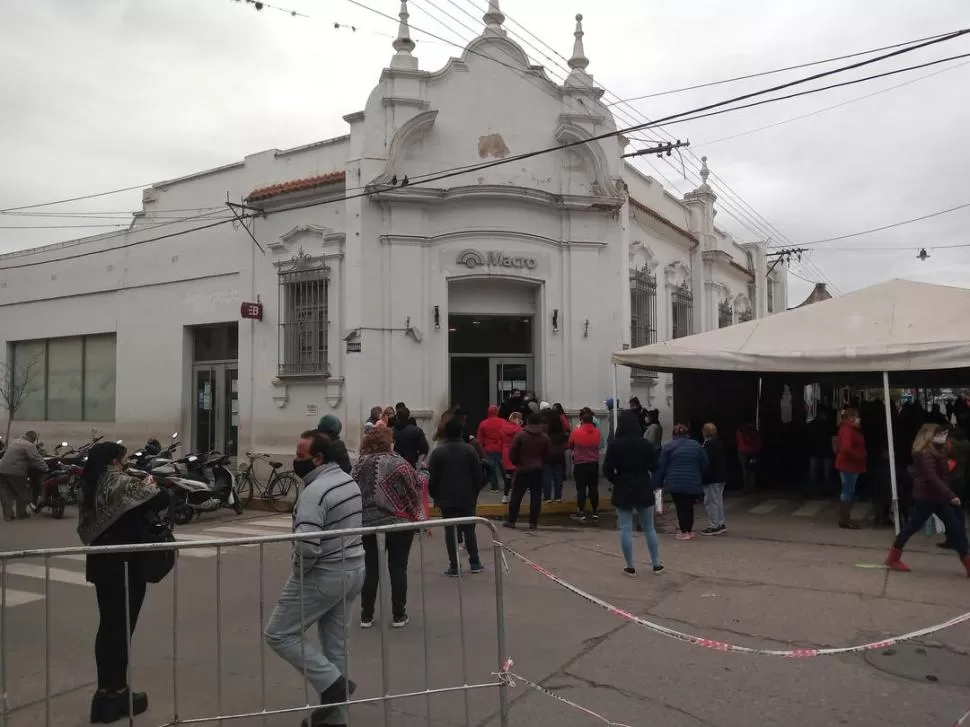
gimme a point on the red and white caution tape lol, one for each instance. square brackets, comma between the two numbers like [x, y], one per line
[963, 719]
[510, 677]
[733, 648]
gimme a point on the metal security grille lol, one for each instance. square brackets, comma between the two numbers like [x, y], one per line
[643, 312]
[682, 308]
[771, 295]
[304, 285]
[725, 315]
[744, 316]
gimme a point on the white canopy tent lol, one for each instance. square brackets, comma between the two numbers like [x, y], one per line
[897, 326]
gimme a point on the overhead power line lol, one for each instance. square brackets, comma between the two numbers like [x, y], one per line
[778, 70]
[115, 248]
[889, 226]
[829, 108]
[700, 112]
[74, 199]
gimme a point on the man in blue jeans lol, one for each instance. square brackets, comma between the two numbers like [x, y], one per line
[327, 577]
[490, 435]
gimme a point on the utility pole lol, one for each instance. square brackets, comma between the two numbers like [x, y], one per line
[785, 255]
[660, 150]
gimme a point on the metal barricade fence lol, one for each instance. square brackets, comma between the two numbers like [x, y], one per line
[387, 695]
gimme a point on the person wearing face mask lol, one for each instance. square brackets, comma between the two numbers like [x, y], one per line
[327, 577]
[931, 496]
[116, 509]
[850, 461]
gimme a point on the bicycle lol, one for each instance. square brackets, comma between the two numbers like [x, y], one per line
[276, 490]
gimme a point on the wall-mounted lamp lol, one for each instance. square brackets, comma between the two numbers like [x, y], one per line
[555, 320]
[586, 329]
[437, 318]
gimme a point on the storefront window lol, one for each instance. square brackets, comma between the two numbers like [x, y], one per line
[67, 379]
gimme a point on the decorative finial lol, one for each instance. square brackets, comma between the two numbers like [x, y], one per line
[579, 61]
[493, 17]
[705, 172]
[403, 43]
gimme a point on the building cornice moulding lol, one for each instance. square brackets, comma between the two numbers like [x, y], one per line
[497, 192]
[486, 234]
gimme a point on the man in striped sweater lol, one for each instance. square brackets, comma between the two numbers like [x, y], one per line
[327, 571]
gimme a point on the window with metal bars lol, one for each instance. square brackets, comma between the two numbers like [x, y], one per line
[682, 311]
[771, 295]
[752, 291]
[725, 315]
[643, 312]
[744, 316]
[304, 288]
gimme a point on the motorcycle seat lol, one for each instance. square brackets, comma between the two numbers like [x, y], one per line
[275, 465]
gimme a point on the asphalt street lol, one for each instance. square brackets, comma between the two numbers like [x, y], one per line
[774, 582]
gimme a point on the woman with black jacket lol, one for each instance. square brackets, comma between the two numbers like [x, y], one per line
[714, 479]
[116, 509]
[629, 461]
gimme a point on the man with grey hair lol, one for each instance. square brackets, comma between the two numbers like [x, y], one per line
[20, 459]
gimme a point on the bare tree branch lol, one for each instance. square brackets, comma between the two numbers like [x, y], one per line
[18, 382]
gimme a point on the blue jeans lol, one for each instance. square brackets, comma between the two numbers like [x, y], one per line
[495, 460]
[849, 480]
[552, 480]
[951, 516]
[625, 518]
[328, 595]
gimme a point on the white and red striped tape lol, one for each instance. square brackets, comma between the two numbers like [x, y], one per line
[734, 648]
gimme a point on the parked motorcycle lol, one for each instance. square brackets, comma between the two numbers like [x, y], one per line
[197, 483]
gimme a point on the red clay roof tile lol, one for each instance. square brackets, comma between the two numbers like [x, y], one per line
[295, 185]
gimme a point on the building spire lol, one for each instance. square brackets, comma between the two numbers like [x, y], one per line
[403, 43]
[579, 61]
[494, 18]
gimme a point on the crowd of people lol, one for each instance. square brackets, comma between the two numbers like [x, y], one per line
[397, 477]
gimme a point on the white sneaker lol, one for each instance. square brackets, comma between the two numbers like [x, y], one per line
[367, 624]
[505, 499]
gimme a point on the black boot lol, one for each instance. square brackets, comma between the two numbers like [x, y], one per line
[336, 693]
[109, 706]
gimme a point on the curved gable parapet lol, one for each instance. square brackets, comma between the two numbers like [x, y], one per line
[410, 133]
[591, 152]
[511, 54]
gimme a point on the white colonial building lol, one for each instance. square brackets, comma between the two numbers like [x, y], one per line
[416, 258]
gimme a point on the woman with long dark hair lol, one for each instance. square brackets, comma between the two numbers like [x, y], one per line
[115, 509]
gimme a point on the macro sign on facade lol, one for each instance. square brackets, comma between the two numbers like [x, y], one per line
[472, 259]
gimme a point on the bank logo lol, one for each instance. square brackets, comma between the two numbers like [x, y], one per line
[494, 259]
[471, 259]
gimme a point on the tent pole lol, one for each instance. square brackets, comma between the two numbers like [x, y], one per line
[892, 449]
[616, 403]
[757, 407]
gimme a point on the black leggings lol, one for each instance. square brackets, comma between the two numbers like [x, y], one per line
[685, 511]
[111, 643]
[398, 548]
[460, 534]
[587, 476]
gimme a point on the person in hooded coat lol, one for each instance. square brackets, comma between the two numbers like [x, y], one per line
[530, 452]
[331, 426]
[629, 461]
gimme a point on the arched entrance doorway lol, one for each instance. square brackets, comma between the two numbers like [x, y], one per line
[492, 334]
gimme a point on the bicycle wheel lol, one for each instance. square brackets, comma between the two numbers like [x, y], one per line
[245, 487]
[283, 491]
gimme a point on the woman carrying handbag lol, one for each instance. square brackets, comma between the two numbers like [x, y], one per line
[117, 509]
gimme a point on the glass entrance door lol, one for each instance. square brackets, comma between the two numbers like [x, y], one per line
[216, 420]
[507, 375]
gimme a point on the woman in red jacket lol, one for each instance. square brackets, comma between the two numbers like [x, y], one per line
[512, 427]
[850, 461]
[931, 496]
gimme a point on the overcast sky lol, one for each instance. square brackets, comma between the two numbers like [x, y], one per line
[102, 94]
